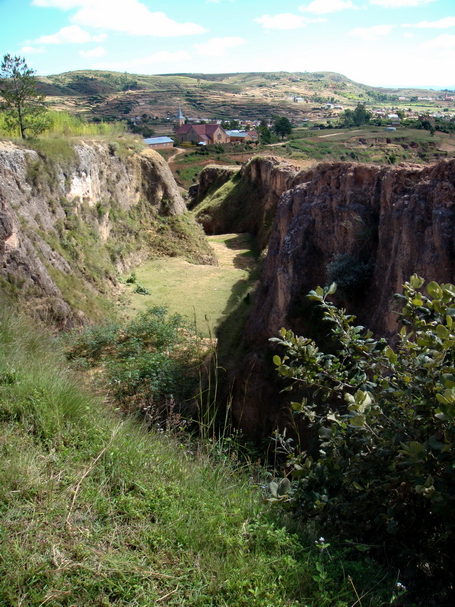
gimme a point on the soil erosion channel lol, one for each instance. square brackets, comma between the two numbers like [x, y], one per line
[205, 293]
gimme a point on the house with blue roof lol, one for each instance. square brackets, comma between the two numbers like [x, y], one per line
[159, 143]
[236, 136]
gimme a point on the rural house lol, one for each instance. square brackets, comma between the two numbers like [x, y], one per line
[236, 136]
[159, 143]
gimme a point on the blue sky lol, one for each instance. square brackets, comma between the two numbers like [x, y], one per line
[376, 42]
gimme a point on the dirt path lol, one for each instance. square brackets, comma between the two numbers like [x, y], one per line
[171, 158]
[335, 134]
[177, 152]
[232, 251]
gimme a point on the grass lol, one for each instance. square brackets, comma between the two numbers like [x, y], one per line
[64, 124]
[99, 510]
[206, 293]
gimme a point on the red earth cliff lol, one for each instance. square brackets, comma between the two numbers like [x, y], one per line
[397, 220]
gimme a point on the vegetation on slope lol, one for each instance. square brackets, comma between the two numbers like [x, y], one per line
[72, 228]
[380, 472]
[250, 96]
[98, 510]
[236, 206]
[64, 124]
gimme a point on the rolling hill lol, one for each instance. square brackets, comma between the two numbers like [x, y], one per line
[247, 96]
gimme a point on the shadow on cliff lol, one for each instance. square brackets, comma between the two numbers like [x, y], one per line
[248, 258]
[238, 208]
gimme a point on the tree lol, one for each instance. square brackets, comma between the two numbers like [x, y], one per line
[265, 135]
[282, 126]
[356, 117]
[383, 474]
[22, 104]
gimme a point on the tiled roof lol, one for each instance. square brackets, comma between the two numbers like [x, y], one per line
[200, 128]
[204, 131]
[184, 128]
[211, 128]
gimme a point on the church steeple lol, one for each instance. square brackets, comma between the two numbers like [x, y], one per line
[179, 119]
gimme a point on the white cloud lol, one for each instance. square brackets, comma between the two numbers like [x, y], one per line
[137, 22]
[371, 34]
[321, 7]
[217, 47]
[32, 50]
[441, 24]
[400, 3]
[285, 21]
[444, 41]
[62, 4]
[149, 61]
[128, 16]
[99, 51]
[72, 34]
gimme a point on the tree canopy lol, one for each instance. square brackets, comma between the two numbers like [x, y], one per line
[356, 117]
[265, 134]
[282, 126]
[23, 105]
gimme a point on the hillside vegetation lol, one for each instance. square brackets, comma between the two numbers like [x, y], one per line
[248, 96]
[83, 211]
[101, 510]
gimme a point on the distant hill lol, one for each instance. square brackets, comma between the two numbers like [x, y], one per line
[247, 96]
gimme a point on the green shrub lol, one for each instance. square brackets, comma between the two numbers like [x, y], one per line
[350, 273]
[383, 475]
[149, 364]
[141, 290]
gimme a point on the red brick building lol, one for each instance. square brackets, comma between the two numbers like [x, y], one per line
[202, 133]
[159, 143]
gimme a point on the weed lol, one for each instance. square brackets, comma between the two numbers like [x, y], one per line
[97, 512]
[148, 364]
[141, 290]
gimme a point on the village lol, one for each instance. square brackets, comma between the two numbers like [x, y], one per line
[190, 131]
[186, 132]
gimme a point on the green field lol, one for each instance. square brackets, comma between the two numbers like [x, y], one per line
[207, 294]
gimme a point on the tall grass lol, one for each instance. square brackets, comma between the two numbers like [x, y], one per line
[97, 510]
[100, 511]
[63, 124]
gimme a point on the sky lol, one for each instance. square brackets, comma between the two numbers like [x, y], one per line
[390, 43]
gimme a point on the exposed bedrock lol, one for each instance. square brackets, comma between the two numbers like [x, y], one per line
[244, 200]
[43, 201]
[396, 221]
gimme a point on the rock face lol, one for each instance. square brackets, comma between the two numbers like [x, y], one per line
[245, 201]
[41, 200]
[395, 221]
[211, 178]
